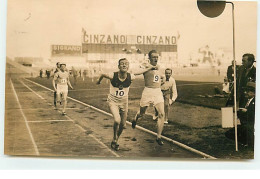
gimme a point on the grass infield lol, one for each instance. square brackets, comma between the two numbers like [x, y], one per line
[195, 118]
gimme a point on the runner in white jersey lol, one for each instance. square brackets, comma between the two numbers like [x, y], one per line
[152, 94]
[62, 79]
[118, 98]
[55, 93]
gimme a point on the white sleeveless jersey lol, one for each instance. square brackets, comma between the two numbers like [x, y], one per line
[61, 77]
[118, 93]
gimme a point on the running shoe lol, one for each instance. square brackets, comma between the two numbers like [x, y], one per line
[159, 141]
[165, 122]
[114, 146]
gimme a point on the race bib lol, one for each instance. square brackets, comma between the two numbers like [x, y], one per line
[119, 93]
[156, 78]
[63, 81]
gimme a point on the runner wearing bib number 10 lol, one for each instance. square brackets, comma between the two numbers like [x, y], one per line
[118, 98]
[152, 93]
[60, 84]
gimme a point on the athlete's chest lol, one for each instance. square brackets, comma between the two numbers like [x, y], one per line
[63, 75]
[152, 75]
[121, 82]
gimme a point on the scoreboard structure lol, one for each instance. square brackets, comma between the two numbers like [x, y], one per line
[107, 49]
[102, 51]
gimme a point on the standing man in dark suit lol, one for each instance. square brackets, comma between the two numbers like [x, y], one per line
[246, 73]
[230, 75]
[230, 72]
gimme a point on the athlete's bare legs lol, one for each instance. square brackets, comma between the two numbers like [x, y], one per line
[119, 124]
[139, 115]
[160, 122]
[123, 115]
[64, 96]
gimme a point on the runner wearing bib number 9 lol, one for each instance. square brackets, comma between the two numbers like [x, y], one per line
[152, 93]
[120, 82]
[61, 78]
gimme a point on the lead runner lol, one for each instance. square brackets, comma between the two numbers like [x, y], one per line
[120, 82]
[118, 98]
[152, 94]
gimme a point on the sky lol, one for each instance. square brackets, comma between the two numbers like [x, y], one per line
[34, 25]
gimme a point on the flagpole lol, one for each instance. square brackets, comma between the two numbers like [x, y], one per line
[235, 81]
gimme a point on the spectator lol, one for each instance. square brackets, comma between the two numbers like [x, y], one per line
[48, 74]
[41, 72]
[169, 91]
[246, 114]
[230, 72]
[246, 73]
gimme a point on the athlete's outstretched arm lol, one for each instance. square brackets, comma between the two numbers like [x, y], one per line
[146, 69]
[103, 76]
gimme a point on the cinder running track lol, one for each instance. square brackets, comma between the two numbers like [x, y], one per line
[33, 127]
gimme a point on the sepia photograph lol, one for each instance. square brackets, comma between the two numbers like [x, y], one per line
[119, 79]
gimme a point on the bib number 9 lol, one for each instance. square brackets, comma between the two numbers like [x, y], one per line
[120, 93]
[156, 78]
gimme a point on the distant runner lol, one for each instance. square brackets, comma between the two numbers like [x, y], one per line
[62, 78]
[55, 93]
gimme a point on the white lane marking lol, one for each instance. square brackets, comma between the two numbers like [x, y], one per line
[31, 90]
[139, 127]
[25, 119]
[91, 135]
[96, 139]
[50, 121]
[43, 109]
[100, 89]
[195, 84]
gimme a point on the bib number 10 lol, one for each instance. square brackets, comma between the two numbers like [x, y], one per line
[120, 93]
[156, 78]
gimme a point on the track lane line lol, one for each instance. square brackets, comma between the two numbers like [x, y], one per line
[96, 139]
[137, 126]
[25, 120]
[92, 136]
[31, 89]
[50, 121]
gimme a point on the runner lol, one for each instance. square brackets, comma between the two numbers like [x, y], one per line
[55, 93]
[118, 98]
[152, 94]
[62, 78]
